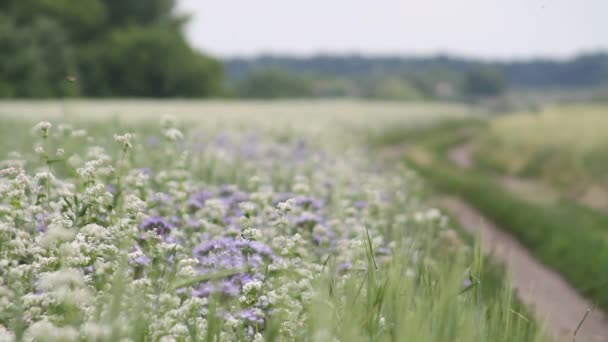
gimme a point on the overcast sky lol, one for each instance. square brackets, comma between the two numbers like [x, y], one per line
[479, 28]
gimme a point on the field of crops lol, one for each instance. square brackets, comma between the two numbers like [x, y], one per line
[255, 222]
[564, 146]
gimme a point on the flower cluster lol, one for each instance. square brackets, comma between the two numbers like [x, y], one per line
[208, 234]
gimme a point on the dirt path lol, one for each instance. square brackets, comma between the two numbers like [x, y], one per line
[462, 155]
[595, 198]
[548, 295]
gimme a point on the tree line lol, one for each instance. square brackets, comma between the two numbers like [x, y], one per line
[95, 48]
[407, 78]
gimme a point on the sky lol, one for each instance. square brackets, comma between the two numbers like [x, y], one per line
[503, 29]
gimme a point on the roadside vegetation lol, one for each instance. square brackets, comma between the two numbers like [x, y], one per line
[220, 231]
[566, 236]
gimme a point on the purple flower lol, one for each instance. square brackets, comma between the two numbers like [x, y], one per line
[308, 202]
[143, 260]
[232, 253]
[157, 223]
[307, 219]
[198, 200]
[253, 316]
[360, 205]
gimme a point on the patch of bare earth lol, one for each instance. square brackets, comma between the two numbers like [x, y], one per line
[546, 292]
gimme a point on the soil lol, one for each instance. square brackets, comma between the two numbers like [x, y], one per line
[547, 293]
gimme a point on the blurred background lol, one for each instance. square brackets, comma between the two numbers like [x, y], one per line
[519, 52]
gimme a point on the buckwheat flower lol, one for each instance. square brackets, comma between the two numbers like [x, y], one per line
[301, 188]
[90, 168]
[55, 234]
[60, 152]
[95, 231]
[95, 331]
[44, 331]
[10, 172]
[250, 234]
[173, 134]
[252, 287]
[6, 335]
[248, 208]
[287, 206]
[126, 140]
[432, 214]
[134, 205]
[65, 277]
[43, 128]
[39, 150]
[79, 133]
[44, 177]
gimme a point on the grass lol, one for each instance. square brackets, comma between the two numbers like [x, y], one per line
[567, 237]
[564, 146]
[417, 293]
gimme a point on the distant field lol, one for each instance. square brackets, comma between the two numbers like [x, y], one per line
[565, 146]
[288, 112]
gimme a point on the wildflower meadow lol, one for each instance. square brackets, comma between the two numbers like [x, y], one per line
[180, 231]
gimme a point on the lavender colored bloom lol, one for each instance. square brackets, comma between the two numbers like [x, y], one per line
[232, 253]
[307, 219]
[253, 316]
[198, 200]
[111, 189]
[230, 288]
[157, 223]
[41, 227]
[282, 197]
[147, 171]
[143, 260]
[309, 202]
[153, 141]
[344, 267]
[360, 205]
[204, 290]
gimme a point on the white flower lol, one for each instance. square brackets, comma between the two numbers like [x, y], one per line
[251, 234]
[126, 140]
[95, 331]
[42, 127]
[6, 335]
[46, 331]
[173, 134]
[252, 287]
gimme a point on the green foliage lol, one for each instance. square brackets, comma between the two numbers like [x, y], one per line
[565, 236]
[115, 48]
[35, 59]
[274, 83]
[156, 62]
[484, 82]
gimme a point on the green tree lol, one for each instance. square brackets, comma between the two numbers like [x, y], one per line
[114, 47]
[152, 62]
[35, 59]
[484, 82]
[274, 83]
